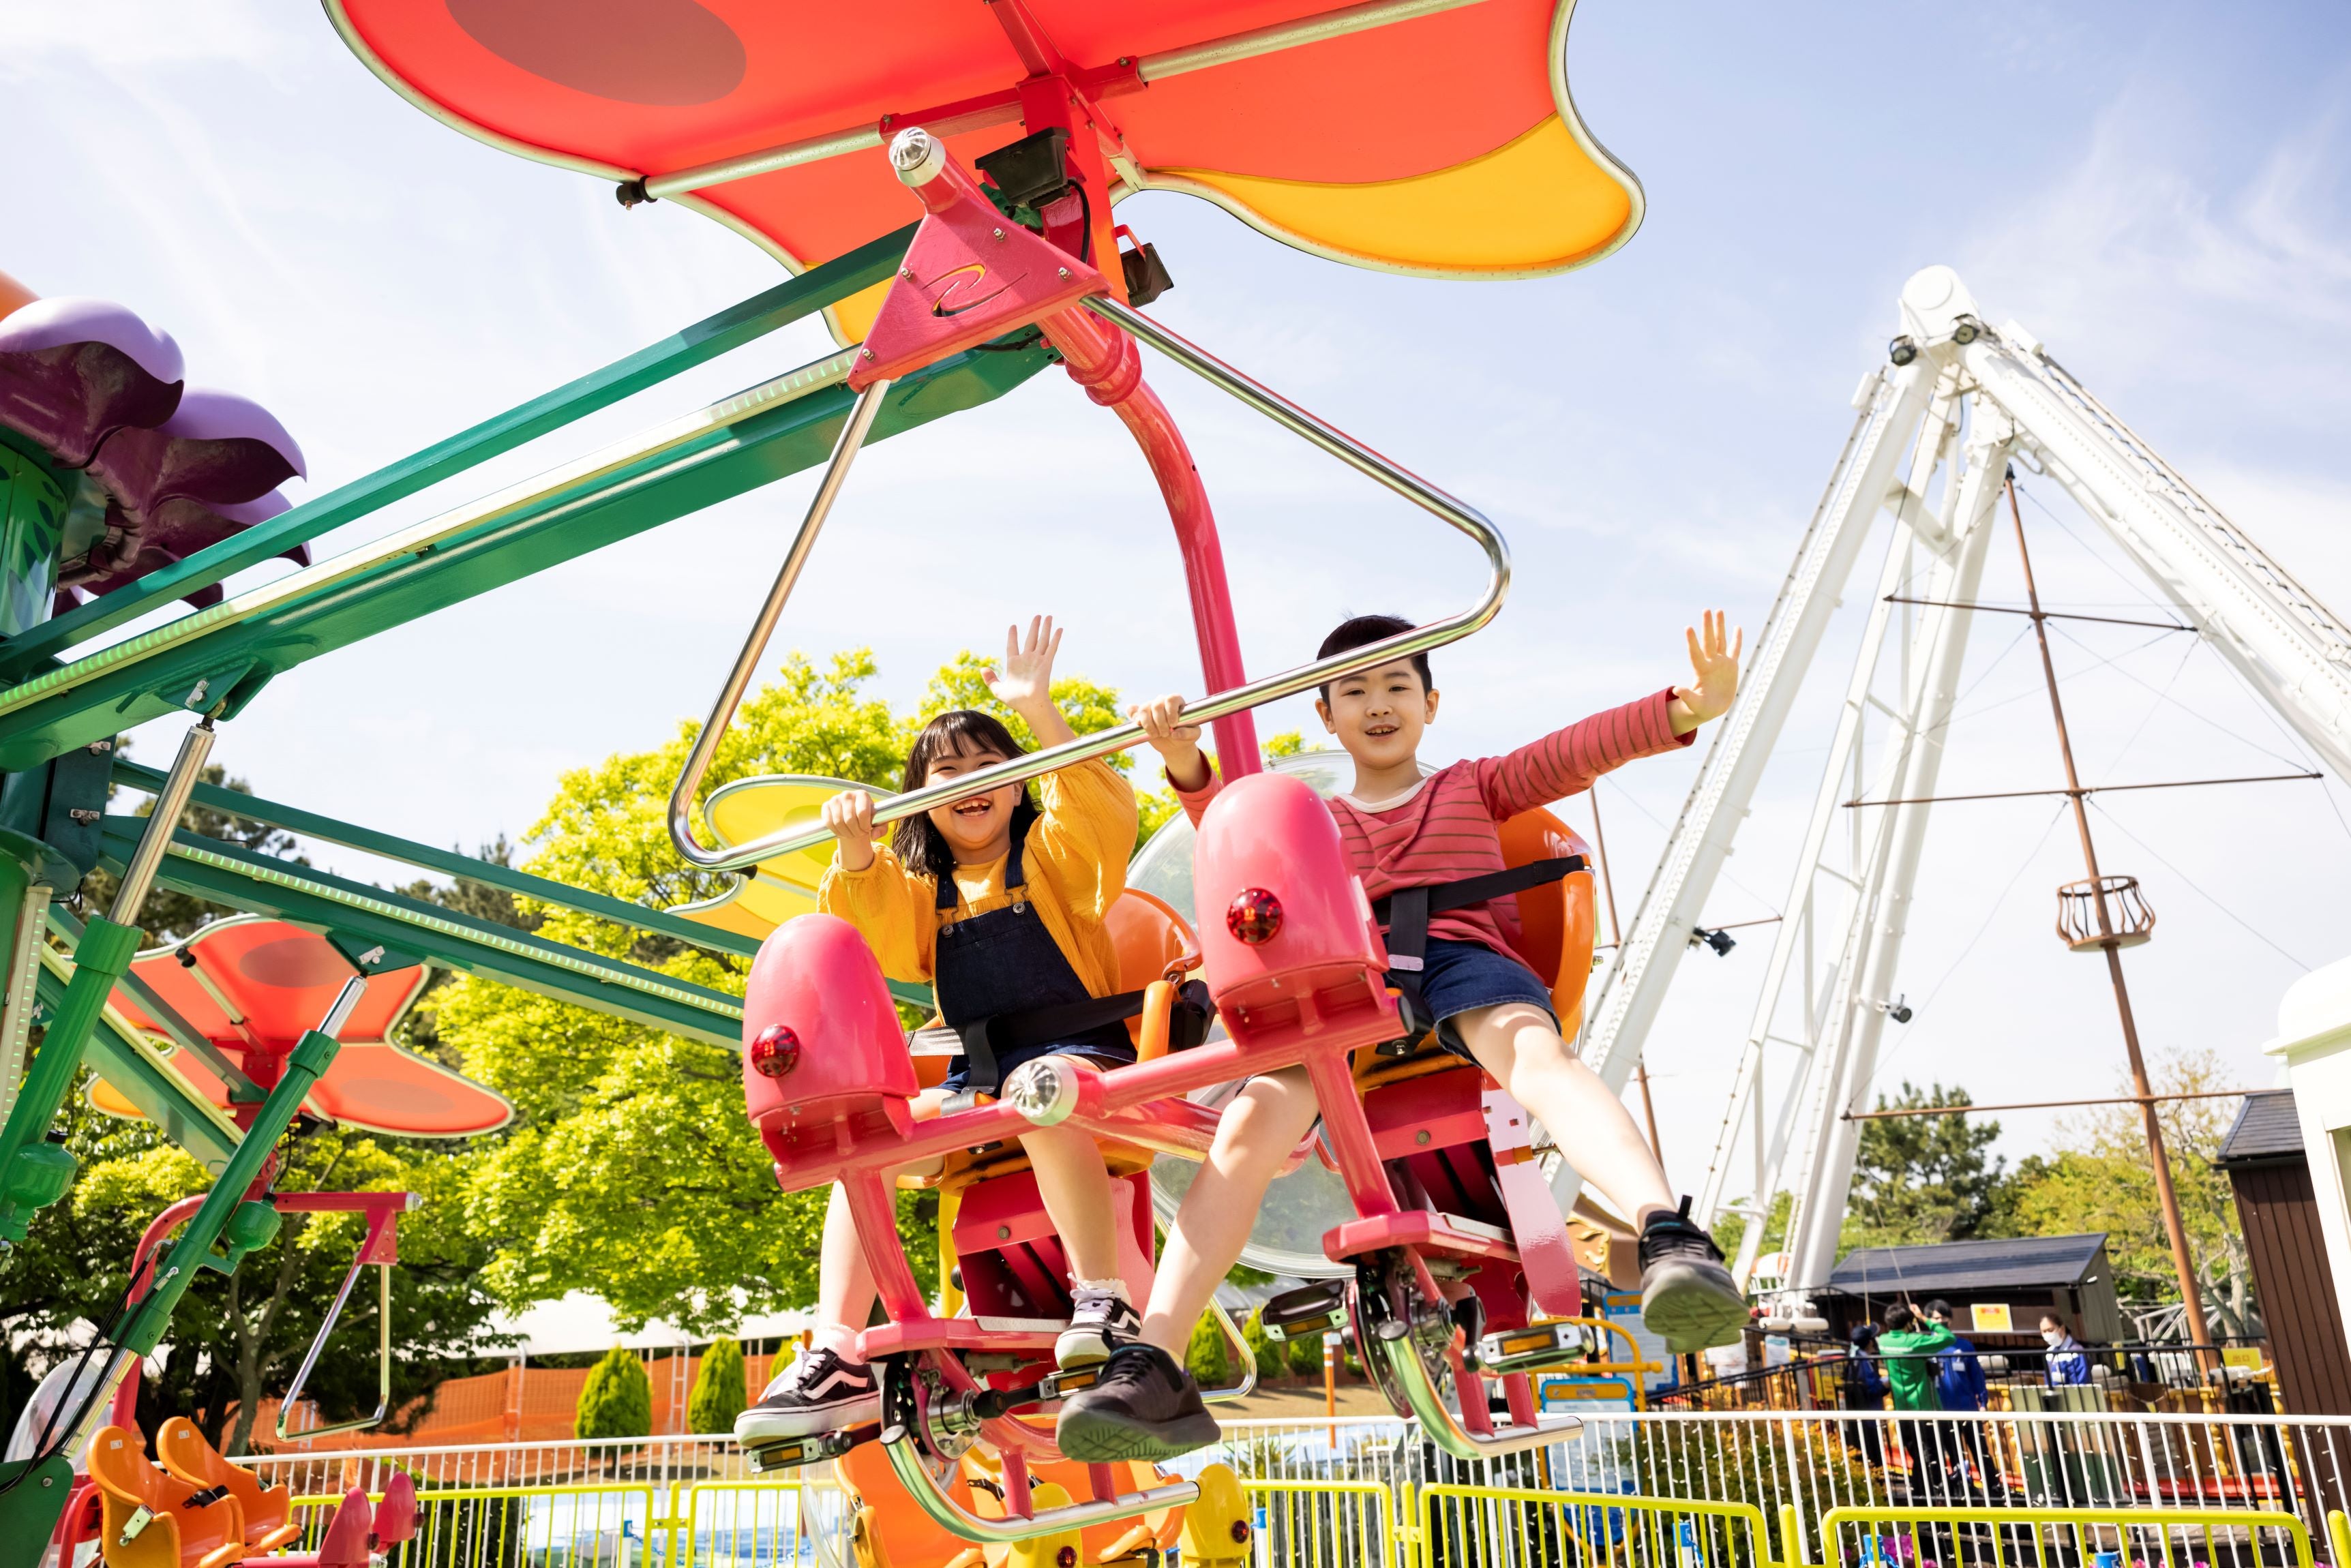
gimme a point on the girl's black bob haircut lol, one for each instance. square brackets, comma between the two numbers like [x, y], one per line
[921, 847]
[1363, 631]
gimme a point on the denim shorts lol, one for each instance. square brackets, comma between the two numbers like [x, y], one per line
[958, 1077]
[1462, 976]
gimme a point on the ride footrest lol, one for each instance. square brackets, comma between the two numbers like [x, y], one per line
[1541, 1344]
[1307, 1311]
[791, 1453]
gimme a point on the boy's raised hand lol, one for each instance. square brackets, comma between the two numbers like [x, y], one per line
[1178, 743]
[849, 816]
[1714, 660]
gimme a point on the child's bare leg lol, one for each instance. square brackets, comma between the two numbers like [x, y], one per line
[1075, 1185]
[1146, 1407]
[1687, 1295]
[1256, 1134]
[844, 1284]
[1520, 1047]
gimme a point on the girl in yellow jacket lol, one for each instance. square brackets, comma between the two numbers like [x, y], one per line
[998, 902]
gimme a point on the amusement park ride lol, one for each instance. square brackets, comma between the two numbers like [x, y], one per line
[1434, 137]
[1428, 136]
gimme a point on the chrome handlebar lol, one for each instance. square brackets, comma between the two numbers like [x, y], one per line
[1021, 770]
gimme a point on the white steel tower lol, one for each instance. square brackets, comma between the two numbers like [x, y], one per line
[1964, 402]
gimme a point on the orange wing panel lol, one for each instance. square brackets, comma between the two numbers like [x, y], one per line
[651, 87]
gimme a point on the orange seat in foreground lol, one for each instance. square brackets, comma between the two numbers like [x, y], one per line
[269, 1510]
[167, 1526]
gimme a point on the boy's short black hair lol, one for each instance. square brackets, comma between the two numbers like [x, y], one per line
[1898, 1318]
[1364, 629]
[1938, 1308]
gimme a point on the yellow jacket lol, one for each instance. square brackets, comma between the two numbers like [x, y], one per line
[1075, 862]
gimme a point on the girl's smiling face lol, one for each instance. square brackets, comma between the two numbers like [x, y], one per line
[977, 827]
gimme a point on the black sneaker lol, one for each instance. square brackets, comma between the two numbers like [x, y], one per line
[1099, 1325]
[1687, 1297]
[821, 1393]
[1145, 1406]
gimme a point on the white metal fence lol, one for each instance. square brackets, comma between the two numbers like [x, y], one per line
[1818, 1480]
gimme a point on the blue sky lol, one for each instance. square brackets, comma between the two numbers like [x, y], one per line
[2157, 192]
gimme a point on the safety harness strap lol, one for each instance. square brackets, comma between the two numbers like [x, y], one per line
[1404, 912]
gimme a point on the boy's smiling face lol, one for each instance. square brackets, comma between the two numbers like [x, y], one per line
[1378, 715]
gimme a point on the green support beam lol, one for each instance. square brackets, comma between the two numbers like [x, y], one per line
[264, 885]
[707, 339]
[226, 652]
[467, 868]
[119, 1055]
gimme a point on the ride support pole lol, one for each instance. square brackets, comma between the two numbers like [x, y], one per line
[35, 1172]
[1109, 365]
[249, 1222]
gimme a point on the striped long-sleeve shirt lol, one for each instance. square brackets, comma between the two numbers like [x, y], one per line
[1444, 828]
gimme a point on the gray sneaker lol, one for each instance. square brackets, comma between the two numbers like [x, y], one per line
[1145, 1406]
[1687, 1297]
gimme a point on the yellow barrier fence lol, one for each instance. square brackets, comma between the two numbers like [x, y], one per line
[2126, 1537]
[1362, 1524]
[1512, 1527]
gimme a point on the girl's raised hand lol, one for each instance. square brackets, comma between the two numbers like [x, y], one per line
[1714, 654]
[850, 817]
[1025, 683]
[1178, 743]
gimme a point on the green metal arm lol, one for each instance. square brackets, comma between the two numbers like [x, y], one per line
[466, 868]
[265, 884]
[448, 863]
[707, 339]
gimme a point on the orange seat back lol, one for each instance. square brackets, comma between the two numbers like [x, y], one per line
[1556, 921]
[1149, 936]
[174, 1535]
[182, 1450]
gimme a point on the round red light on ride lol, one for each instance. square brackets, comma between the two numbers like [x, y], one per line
[776, 1050]
[1254, 917]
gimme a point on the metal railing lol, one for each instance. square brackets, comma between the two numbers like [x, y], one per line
[1679, 1490]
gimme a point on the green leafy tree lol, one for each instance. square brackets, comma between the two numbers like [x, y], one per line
[1272, 1356]
[617, 1400]
[1306, 1355]
[718, 1394]
[1922, 1179]
[2099, 1179]
[1207, 1356]
[1730, 1229]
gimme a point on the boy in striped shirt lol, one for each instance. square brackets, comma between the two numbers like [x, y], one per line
[1406, 828]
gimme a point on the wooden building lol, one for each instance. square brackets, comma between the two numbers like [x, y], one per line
[2278, 1207]
[1997, 1289]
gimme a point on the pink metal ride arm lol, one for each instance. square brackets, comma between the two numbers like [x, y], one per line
[1109, 365]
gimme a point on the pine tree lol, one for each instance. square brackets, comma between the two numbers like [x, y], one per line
[718, 1394]
[1205, 1356]
[617, 1401]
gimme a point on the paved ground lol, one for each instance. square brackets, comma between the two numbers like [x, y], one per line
[1303, 1402]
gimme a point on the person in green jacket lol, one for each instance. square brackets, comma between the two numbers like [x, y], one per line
[1910, 1345]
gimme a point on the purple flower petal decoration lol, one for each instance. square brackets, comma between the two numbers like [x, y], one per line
[216, 447]
[73, 372]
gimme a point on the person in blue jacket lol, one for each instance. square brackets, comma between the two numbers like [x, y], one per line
[1865, 1388]
[1959, 1371]
[1960, 1383]
[2065, 1363]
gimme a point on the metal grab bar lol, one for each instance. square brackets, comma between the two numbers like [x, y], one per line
[906, 1462]
[1241, 1349]
[738, 679]
[1021, 770]
[382, 1354]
